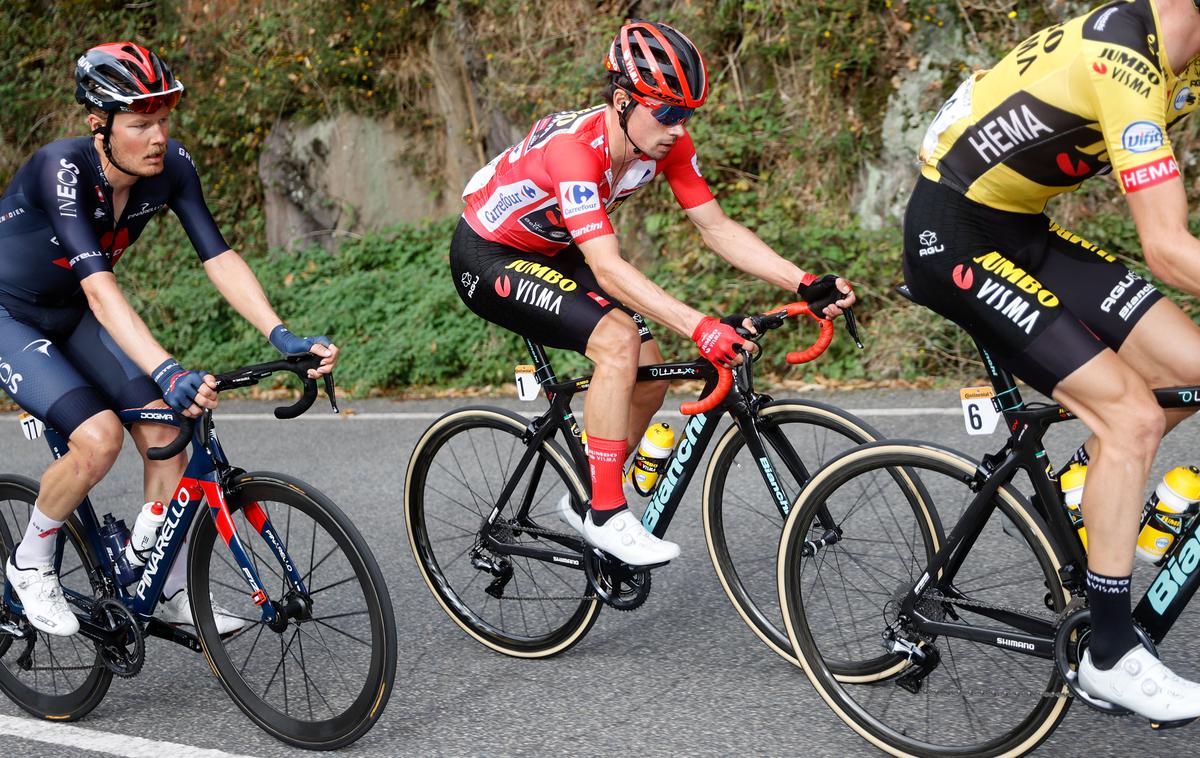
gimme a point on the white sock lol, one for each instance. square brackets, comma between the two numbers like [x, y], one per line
[177, 578]
[37, 546]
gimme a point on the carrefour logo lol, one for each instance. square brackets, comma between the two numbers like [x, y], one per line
[506, 199]
[1142, 137]
[579, 197]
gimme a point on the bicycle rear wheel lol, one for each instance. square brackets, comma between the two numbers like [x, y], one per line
[842, 602]
[742, 521]
[323, 680]
[59, 678]
[516, 605]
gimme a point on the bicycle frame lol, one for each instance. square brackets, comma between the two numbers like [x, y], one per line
[202, 484]
[1175, 584]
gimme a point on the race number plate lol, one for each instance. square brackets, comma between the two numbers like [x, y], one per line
[527, 386]
[979, 414]
[30, 426]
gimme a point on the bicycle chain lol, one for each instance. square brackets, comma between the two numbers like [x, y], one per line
[935, 596]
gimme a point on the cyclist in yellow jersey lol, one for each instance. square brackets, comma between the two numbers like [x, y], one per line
[1094, 95]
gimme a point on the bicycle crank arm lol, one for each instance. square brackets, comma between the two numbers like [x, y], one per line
[97, 633]
[156, 628]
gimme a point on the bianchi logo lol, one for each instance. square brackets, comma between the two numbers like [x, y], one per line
[1018, 644]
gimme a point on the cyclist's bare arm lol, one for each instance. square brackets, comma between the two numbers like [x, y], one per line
[625, 282]
[126, 327]
[1172, 253]
[744, 250]
[238, 284]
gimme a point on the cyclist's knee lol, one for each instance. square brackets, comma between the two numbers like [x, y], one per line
[97, 442]
[1134, 426]
[615, 341]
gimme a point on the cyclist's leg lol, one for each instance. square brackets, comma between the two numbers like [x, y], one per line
[1164, 348]
[39, 377]
[648, 397]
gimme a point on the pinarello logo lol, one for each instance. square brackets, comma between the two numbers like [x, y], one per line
[1100, 68]
[963, 276]
[503, 286]
[1065, 166]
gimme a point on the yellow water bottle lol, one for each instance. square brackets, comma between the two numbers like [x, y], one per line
[655, 448]
[1161, 522]
[1071, 483]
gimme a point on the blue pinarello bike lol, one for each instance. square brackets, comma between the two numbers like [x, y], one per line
[314, 662]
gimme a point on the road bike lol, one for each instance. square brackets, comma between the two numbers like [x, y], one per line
[313, 663]
[958, 643]
[484, 484]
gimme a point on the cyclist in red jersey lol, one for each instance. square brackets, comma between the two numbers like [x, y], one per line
[535, 252]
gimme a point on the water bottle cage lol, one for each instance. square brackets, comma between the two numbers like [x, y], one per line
[1168, 521]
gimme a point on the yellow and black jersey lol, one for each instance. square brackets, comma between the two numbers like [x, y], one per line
[1092, 95]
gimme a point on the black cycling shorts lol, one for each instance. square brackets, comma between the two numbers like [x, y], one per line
[554, 300]
[1042, 300]
[60, 365]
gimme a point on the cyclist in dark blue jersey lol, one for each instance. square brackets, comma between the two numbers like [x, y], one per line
[71, 348]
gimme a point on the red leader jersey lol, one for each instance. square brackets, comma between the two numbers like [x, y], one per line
[554, 187]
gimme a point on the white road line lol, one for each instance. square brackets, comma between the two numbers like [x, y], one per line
[103, 742]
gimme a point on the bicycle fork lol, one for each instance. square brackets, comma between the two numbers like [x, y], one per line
[277, 612]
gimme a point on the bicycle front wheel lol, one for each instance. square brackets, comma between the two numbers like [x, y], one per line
[58, 678]
[322, 681]
[841, 606]
[522, 606]
[742, 519]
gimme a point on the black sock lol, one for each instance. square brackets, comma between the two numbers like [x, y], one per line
[600, 518]
[1112, 623]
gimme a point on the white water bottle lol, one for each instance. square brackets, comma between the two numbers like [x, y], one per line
[145, 533]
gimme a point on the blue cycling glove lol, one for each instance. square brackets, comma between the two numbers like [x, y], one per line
[289, 344]
[179, 385]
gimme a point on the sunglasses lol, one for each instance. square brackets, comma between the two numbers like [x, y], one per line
[667, 115]
[153, 102]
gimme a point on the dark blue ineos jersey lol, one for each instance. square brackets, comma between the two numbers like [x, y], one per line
[57, 225]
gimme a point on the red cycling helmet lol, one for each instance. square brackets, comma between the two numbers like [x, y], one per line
[657, 62]
[122, 76]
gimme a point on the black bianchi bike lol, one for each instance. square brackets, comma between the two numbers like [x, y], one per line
[484, 484]
[313, 663]
[965, 643]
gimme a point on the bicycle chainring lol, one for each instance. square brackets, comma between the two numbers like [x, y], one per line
[124, 650]
[616, 584]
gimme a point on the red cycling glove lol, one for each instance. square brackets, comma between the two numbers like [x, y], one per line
[716, 340]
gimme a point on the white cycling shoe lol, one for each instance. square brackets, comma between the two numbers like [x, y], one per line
[1141, 683]
[177, 610]
[567, 514]
[41, 596]
[624, 538]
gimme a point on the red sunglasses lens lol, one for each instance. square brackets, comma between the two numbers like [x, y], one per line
[153, 104]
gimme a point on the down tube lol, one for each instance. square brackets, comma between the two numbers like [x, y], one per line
[678, 472]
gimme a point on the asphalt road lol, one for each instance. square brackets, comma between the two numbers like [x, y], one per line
[680, 676]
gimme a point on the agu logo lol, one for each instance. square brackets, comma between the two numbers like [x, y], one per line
[579, 198]
[964, 276]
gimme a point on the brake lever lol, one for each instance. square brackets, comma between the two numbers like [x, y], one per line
[331, 393]
[852, 326]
